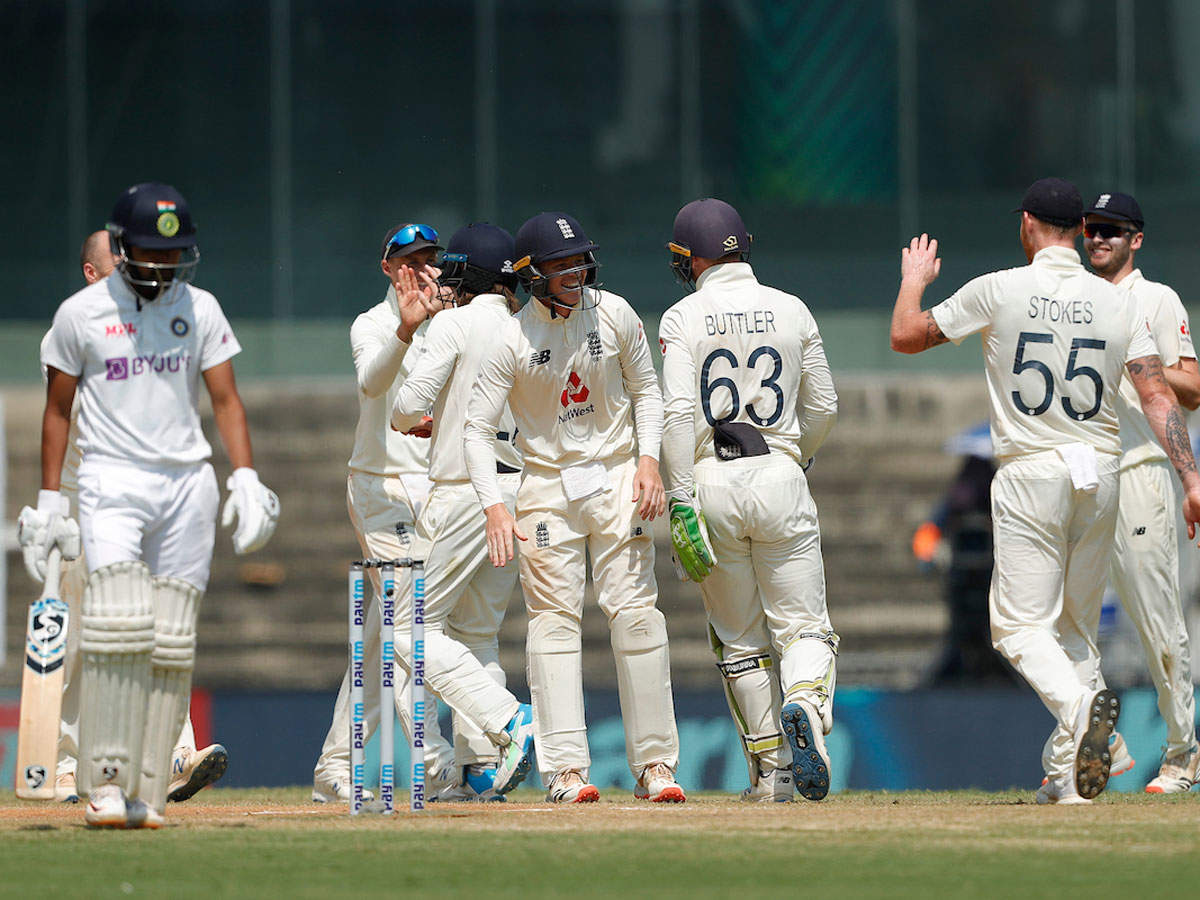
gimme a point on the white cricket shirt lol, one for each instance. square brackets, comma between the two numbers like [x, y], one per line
[739, 351]
[575, 387]
[139, 369]
[382, 362]
[1168, 322]
[443, 377]
[1055, 342]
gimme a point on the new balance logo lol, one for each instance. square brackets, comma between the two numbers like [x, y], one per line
[539, 358]
[1139, 531]
[565, 227]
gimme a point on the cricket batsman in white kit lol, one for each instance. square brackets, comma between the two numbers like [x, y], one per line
[465, 596]
[385, 490]
[1145, 559]
[1056, 343]
[136, 347]
[191, 768]
[748, 401]
[575, 369]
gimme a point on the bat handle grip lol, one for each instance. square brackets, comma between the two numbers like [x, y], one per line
[53, 571]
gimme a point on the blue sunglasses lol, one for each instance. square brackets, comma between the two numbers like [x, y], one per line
[409, 233]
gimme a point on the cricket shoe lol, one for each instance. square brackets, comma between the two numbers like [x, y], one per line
[106, 807]
[569, 787]
[192, 770]
[1059, 791]
[658, 785]
[139, 815]
[436, 783]
[772, 786]
[1177, 773]
[810, 760]
[515, 761]
[478, 785]
[1094, 726]
[1122, 762]
[331, 789]
[64, 788]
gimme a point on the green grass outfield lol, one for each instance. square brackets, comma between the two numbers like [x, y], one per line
[242, 843]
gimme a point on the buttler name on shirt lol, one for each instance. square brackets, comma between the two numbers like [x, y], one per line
[758, 321]
[119, 368]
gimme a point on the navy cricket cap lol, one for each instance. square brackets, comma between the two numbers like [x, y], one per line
[710, 228]
[154, 216]
[552, 235]
[1118, 206]
[486, 247]
[1053, 200]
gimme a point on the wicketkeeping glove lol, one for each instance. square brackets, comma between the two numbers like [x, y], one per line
[38, 530]
[689, 536]
[256, 508]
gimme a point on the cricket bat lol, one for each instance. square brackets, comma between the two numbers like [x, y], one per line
[42, 688]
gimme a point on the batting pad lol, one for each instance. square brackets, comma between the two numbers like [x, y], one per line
[639, 643]
[176, 608]
[116, 640]
[752, 692]
[808, 671]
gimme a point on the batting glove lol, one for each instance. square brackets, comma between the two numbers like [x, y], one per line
[40, 529]
[256, 508]
[689, 537]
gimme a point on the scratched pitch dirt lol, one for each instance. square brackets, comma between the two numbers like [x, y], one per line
[269, 843]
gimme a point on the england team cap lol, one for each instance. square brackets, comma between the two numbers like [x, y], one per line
[1118, 206]
[1053, 200]
[154, 216]
[487, 247]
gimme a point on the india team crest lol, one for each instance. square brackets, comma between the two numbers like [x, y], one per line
[167, 224]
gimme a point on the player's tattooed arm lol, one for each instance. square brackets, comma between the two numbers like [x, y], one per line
[1164, 415]
[913, 329]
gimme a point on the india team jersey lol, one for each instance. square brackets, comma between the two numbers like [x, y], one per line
[1055, 342]
[1168, 321]
[574, 386]
[139, 369]
[443, 377]
[737, 351]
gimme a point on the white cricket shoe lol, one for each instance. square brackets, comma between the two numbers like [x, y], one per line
[106, 807]
[568, 786]
[437, 783]
[1094, 725]
[658, 785]
[192, 770]
[478, 784]
[1122, 761]
[1060, 791]
[772, 786]
[1177, 773]
[64, 788]
[335, 789]
[810, 759]
[139, 815]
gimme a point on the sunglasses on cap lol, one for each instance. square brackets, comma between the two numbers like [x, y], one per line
[410, 233]
[1106, 230]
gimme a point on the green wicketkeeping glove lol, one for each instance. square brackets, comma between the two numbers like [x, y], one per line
[689, 536]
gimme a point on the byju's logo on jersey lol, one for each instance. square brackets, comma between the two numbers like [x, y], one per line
[575, 391]
[565, 227]
[116, 369]
[119, 368]
[539, 358]
[593, 344]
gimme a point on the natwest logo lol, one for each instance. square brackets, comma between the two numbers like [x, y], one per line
[120, 329]
[575, 391]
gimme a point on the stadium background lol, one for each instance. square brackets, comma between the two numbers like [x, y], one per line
[300, 131]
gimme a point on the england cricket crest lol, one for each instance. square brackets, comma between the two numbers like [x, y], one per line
[46, 636]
